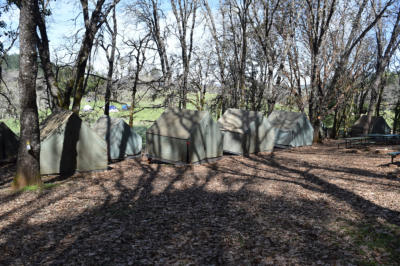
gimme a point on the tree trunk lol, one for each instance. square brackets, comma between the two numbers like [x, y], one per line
[396, 120]
[379, 102]
[80, 68]
[92, 25]
[28, 162]
[133, 103]
[243, 53]
[316, 126]
[361, 102]
[186, 9]
[335, 127]
[44, 53]
[111, 65]
[373, 101]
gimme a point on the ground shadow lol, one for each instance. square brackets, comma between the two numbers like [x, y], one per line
[192, 225]
[152, 214]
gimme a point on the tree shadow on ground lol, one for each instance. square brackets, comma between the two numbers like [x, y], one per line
[164, 215]
[190, 225]
[357, 202]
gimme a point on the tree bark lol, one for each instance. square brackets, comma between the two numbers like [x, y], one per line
[111, 59]
[220, 51]
[182, 15]
[382, 61]
[380, 96]
[28, 162]
[396, 120]
[92, 25]
[44, 53]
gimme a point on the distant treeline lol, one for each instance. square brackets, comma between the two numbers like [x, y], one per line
[11, 62]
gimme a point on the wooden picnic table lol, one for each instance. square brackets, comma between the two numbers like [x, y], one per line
[394, 154]
[386, 138]
[371, 139]
[349, 142]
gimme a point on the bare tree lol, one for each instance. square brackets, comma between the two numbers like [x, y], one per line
[185, 15]
[92, 25]
[42, 42]
[150, 14]
[272, 24]
[238, 16]
[110, 57]
[138, 56]
[200, 77]
[316, 22]
[384, 54]
[220, 50]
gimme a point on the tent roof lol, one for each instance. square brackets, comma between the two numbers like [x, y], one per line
[54, 121]
[237, 120]
[285, 120]
[364, 119]
[102, 123]
[177, 123]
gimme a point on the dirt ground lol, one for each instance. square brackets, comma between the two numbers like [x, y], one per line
[301, 206]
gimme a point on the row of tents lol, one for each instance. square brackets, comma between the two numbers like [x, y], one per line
[193, 136]
[177, 136]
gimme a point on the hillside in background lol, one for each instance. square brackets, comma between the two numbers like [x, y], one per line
[11, 62]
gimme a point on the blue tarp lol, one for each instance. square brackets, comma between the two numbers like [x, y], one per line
[125, 107]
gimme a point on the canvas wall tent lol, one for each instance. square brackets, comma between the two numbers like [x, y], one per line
[379, 126]
[246, 132]
[121, 139]
[292, 129]
[184, 136]
[68, 144]
[8, 144]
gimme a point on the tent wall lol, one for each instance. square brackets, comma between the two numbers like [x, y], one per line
[92, 150]
[251, 142]
[292, 129]
[303, 134]
[256, 135]
[8, 144]
[266, 138]
[203, 139]
[73, 146]
[379, 126]
[205, 142]
[122, 140]
[284, 137]
[234, 142]
[166, 148]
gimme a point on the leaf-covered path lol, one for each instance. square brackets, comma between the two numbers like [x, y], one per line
[311, 205]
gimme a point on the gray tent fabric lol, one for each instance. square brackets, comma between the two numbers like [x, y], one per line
[121, 139]
[184, 136]
[68, 144]
[246, 132]
[8, 144]
[292, 129]
[379, 126]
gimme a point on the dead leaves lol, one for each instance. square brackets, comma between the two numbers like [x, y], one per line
[304, 206]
